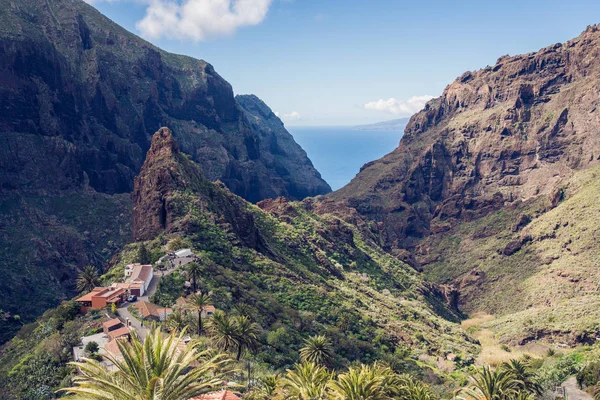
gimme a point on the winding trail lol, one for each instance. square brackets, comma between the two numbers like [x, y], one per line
[573, 391]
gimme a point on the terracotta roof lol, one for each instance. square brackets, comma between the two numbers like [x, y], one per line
[95, 291]
[220, 395]
[119, 332]
[147, 309]
[112, 348]
[140, 272]
[209, 308]
[111, 322]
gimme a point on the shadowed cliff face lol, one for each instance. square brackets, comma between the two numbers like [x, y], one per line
[81, 97]
[499, 135]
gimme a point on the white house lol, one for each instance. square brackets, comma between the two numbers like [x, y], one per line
[138, 278]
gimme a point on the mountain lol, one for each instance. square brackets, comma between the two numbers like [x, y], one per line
[80, 98]
[292, 262]
[486, 179]
[396, 125]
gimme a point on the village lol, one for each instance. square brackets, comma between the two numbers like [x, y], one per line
[125, 309]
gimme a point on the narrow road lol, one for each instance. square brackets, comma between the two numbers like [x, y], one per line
[573, 391]
[124, 312]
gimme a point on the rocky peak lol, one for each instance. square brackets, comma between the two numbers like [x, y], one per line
[80, 97]
[502, 134]
[163, 146]
[164, 171]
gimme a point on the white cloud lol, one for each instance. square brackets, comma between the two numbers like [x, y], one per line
[200, 19]
[293, 116]
[197, 19]
[397, 107]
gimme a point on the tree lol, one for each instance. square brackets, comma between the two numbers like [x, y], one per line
[88, 279]
[307, 381]
[247, 334]
[198, 302]
[265, 389]
[492, 385]
[526, 379]
[317, 349]
[237, 333]
[91, 348]
[406, 387]
[194, 272]
[143, 255]
[176, 322]
[157, 369]
[223, 331]
[366, 382]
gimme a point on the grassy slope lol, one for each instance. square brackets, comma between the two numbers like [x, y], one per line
[548, 289]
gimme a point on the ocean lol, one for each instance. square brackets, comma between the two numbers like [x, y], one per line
[339, 152]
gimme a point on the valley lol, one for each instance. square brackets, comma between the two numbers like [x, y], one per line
[462, 263]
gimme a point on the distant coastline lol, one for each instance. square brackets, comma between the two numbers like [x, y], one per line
[397, 125]
[338, 152]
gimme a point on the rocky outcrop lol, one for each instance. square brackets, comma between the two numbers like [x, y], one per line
[81, 97]
[505, 133]
[170, 185]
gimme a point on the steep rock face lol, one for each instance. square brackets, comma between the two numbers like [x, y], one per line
[81, 96]
[285, 257]
[498, 135]
[281, 153]
[161, 201]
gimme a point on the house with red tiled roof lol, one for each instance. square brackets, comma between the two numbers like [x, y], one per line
[138, 276]
[151, 311]
[122, 332]
[111, 325]
[101, 297]
[219, 395]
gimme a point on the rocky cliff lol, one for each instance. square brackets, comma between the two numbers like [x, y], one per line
[495, 136]
[492, 186]
[81, 97]
[280, 256]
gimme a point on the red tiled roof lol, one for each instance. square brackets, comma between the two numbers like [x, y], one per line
[209, 308]
[119, 332]
[220, 395]
[95, 291]
[147, 309]
[113, 348]
[111, 322]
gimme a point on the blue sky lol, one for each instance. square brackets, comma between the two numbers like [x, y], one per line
[321, 62]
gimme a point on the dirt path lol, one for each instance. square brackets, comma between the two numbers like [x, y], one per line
[573, 391]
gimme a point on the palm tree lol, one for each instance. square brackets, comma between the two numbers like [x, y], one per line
[307, 381]
[158, 369]
[194, 272]
[223, 331]
[366, 382]
[199, 302]
[317, 349]
[88, 279]
[492, 385]
[247, 334]
[526, 379]
[266, 388]
[406, 387]
[176, 322]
